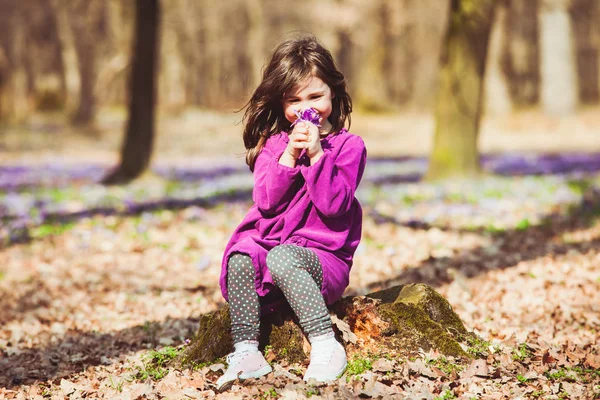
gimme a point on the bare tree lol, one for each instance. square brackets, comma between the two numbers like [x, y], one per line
[520, 58]
[557, 54]
[459, 102]
[585, 15]
[88, 24]
[139, 137]
[497, 92]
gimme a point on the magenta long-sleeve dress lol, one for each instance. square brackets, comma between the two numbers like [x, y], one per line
[310, 206]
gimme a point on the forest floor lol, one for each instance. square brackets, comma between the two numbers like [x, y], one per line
[99, 286]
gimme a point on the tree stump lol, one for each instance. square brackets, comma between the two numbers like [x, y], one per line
[399, 321]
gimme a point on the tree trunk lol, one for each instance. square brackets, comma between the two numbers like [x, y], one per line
[256, 40]
[497, 95]
[398, 41]
[68, 53]
[86, 111]
[88, 23]
[139, 137]
[520, 59]
[459, 101]
[345, 54]
[559, 79]
[399, 321]
[17, 104]
[585, 15]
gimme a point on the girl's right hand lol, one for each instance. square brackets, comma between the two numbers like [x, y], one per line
[298, 140]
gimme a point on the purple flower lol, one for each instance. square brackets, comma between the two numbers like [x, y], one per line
[309, 115]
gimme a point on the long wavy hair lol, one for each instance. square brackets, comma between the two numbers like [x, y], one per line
[293, 61]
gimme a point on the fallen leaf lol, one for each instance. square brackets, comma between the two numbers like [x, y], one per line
[478, 367]
[347, 335]
[383, 365]
[547, 358]
[217, 367]
[592, 361]
[420, 368]
[67, 387]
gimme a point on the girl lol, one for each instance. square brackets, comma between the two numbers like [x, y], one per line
[299, 237]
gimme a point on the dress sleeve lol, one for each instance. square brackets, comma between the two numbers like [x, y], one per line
[332, 181]
[273, 182]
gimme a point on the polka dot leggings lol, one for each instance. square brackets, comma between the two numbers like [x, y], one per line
[297, 272]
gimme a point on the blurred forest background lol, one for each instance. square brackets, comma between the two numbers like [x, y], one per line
[73, 56]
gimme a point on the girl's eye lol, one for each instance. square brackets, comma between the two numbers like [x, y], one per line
[316, 97]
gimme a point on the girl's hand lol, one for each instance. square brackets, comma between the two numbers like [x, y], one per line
[305, 135]
[299, 138]
[314, 151]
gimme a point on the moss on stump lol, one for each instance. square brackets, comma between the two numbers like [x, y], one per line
[399, 321]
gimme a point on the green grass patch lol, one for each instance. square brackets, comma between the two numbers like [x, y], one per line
[46, 230]
[154, 364]
[357, 366]
[116, 385]
[59, 195]
[573, 374]
[521, 353]
[445, 365]
[579, 186]
[523, 225]
[447, 395]
[491, 228]
[269, 394]
[478, 347]
[412, 199]
[494, 193]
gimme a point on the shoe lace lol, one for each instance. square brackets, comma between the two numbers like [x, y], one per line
[236, 357]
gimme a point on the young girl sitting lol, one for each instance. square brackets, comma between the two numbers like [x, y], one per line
[299, 237]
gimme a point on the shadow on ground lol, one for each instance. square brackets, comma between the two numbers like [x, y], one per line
[76, 351]
[507, 248]
[23, 235]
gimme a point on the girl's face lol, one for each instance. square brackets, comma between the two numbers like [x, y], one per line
[313, 92]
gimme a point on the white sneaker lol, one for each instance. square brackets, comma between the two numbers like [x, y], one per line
[244, 363]
[327, 359]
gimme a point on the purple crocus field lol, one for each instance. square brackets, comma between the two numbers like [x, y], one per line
[31, 196]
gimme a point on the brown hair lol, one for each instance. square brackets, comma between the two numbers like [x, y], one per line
[292, 62]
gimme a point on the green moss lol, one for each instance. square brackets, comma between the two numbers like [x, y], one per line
[414, 326]
[421, 317]
[434, 304]
[213, 339]
[388, 295]
[287, 341]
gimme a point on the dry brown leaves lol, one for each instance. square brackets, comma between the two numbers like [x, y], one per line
[79, 311]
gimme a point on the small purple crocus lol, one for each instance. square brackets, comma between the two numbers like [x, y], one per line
[309, 115]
